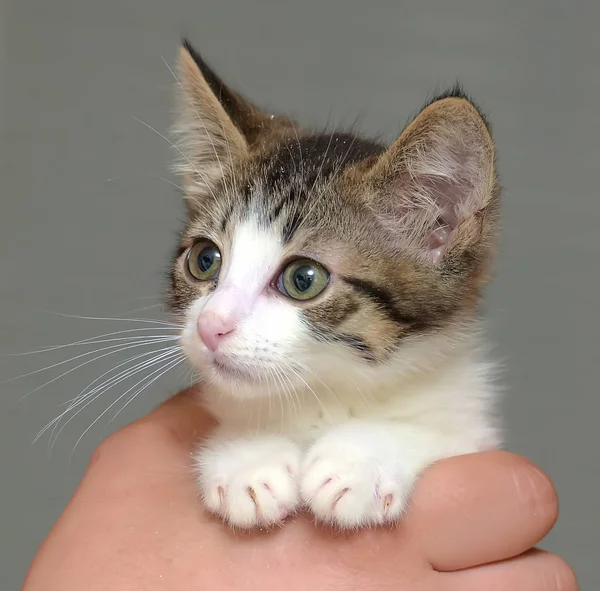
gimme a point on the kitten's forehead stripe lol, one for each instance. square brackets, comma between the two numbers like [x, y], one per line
[276, 212]
[316, 157]
[292, 223]
[294, 172]
[226, 217]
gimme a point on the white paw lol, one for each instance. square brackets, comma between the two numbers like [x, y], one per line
[249, 482]
[349, 487]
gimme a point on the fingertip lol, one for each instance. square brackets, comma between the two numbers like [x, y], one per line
[480, 508]
[536, 491]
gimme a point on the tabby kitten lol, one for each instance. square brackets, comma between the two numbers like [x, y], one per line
[329, 286]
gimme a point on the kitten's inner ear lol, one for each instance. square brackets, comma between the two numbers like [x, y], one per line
[431, 186]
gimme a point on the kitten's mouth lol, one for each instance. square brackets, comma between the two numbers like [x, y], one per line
[230, 370]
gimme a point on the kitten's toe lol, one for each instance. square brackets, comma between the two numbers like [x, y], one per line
[255, 488]
[265, 496]
[351, 492]
[213, 495]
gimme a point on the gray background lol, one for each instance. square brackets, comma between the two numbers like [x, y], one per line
[74, 74]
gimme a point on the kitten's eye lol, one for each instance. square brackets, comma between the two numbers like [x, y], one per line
[204, 260]
[303, 279]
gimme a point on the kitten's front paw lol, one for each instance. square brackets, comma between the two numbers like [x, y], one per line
[348, 488]
[250, 482]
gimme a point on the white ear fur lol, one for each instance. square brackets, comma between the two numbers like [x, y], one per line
[439, 172]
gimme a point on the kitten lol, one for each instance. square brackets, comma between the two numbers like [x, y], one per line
[329, 286]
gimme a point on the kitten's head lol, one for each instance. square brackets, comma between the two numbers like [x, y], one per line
[309, 257]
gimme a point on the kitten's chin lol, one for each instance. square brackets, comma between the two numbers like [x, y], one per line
[236, 382]
[228, 371]
[232, 379]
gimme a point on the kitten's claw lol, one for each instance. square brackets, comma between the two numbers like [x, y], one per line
[250, 483]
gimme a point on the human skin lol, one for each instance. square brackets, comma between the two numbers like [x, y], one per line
[135, 523]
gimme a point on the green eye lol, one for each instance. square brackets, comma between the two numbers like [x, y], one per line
[303, 279]
[204, 260]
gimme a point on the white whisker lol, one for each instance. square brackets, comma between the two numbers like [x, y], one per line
[132, 340]
[290, 389]
[78, 400]
[84, 400]
[172, 365]
[143, 309]
[154, 176]
[274, 371]
[164, 137]
[162, 372]
[118, 319]
[297, 374]
[87, 390]
[90, 392]
[201, 119]
[299, 145]
[110, 352]
[89, 341]
[319, 172]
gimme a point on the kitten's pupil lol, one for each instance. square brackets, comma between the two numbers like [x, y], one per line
[304, 277]
[206, 258]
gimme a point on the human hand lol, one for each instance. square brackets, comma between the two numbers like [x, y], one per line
[135, 522]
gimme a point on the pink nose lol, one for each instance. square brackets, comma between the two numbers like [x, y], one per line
[213, 328]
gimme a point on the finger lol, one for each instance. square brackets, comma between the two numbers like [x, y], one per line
[532, 571]
[480, 508]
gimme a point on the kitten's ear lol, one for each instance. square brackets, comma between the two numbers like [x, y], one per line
[207, 141]
[216, 127]
[435, 187]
